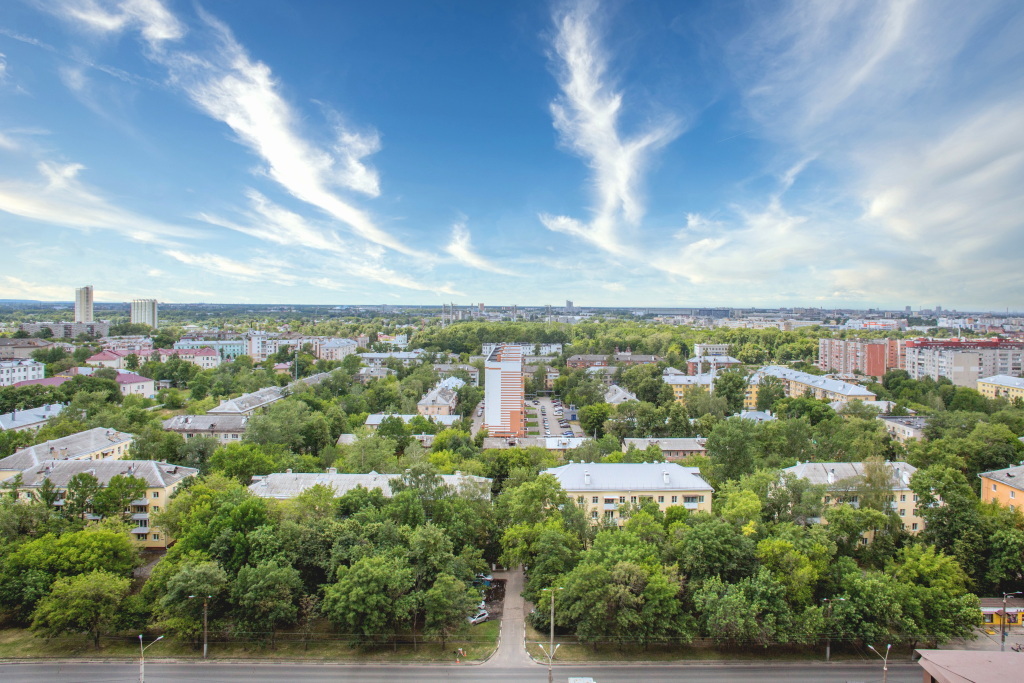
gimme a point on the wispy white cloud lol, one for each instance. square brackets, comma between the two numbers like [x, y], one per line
[461, 248]
[256, 270]
[61, 199]
[587, 117]
[16, 288]
[150, 17]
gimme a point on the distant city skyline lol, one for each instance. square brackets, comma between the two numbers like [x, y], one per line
[850, 154]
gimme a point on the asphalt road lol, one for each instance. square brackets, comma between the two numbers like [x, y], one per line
[278, 673]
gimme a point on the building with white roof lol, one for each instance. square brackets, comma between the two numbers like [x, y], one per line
[285, 485]
[374, 419]
[601, 488]
[14, 371]
[616, 395]
[555, 444]
[671, 448]
[92, 444]
[441, 400]
[224, 428]
[248, 404]
[1003, 386]
[29, 418]
[797, 384]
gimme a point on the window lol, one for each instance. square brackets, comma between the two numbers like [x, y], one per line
[914, 526]
[156, 537]
[609, 501]
[988, 619]
[903, 498]
[863, 540]
[632, 499]
[993, 487]
[579, 499]
[828, 499]
[903, 512]
[594, 500]
[1013, 494]
[661, 499]
[609, 514]
[156, 508]
[622, 499]
[675, 499]
[690, 499]
[593, 514]
[915, 497]
[156, 494]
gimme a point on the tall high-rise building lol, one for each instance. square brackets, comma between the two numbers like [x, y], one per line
[504, 397]
[144, 311]
[83, 304]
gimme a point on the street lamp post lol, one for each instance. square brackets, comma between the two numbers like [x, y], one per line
[1002, 623]
[551, 645]
[828, 627]
[885, 660]
[142, 657]
[206, 600]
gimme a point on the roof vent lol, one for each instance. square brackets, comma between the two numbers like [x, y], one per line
[664, 476]
[832, 476]
[288, 471]
[332, 470]
[586, 478]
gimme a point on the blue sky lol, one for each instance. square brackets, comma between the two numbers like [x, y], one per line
[613, 153]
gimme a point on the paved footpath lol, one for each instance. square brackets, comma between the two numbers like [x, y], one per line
[511, 650]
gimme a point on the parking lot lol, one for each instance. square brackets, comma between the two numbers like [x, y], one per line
[550, 421]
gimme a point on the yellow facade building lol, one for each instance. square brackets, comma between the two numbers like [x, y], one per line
[161, 480]
[601, 489]
[90, 445]
[1002, 386]
[1005, 487]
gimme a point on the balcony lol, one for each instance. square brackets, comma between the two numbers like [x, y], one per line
[690, 506]
[611, 506]
[139, 516]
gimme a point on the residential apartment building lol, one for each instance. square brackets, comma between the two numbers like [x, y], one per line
[1005, 487]
[550, 374]
[377, 359]
[373, 420]
[14, 371]
[616, 395]
[337, 349]
[440, 400]
[65, 330]
[560, 445]
[144, 312]
[797, 384]
[904, 429]
[671, 448]
[964, 361]
[90, 445]
[29, 419]
[366, 374]
[446, 370]
[602, 488]
[625, 358]
[843, 480]
[129, 343]
[711, 349]
[13, 349]
[680, 384]
[248, 404]
[227, 349]
[160, 477]
[1003, 386]
[83, 304]
[224, 428]
[699, 364]
[873, 357]
[288, 484]
[528, 348]
[504, 392]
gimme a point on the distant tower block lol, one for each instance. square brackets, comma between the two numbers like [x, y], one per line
[83, 304]
[144, 311]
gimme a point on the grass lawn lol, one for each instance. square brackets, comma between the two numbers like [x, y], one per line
[570, 651]
[478, 641]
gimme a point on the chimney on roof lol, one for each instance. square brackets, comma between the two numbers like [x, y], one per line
[288, 471]
[832, 476]
[332, 470]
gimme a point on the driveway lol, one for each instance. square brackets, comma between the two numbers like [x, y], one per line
[511, 650]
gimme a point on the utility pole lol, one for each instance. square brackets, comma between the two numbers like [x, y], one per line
[551, 644]
[142, 657]
[828, 627]
[1002, 623]
[206, 632]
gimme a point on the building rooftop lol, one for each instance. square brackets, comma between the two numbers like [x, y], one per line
[156, 474]
[906, 421]
[72, 446]
[716, 360]
[616, 395]
[703, 380]
[551, 443]
[289, 485]
[248, 402]
[210, 423]
[830, 473]
[834, 386]
[29, 416]
[969, 666]
[375, 419]
[1011, 476]
[757, 415]
[46, 382]
[1004, 381]
[657, 476]
[667, 444]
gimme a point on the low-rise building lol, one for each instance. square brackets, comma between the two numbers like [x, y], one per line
[1004, 487]
[904, 429]
[134, 384]
[374, 419]
[699, 364]
[366, 374]
[29, 419]
[129, 343]
[1002, 386]
[14, 371]
[602, 488]
[286, 485]
[671, 448]
[843, 480]
[556, 444]
[797, 384]
[616, 395]
[66, 330]
[12, 349]
[161, 481]
[441, 400]
[337, 349]
[91, 445]
[992, 611]
[377, 359]
[227, 349]
[604, 373]
[446, 370]
[680, 384]
[224, 428]
[248, 404]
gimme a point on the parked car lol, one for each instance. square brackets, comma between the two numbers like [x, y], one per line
[479, 618]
